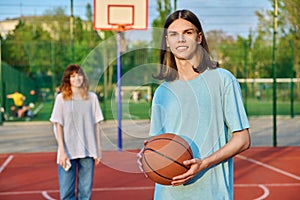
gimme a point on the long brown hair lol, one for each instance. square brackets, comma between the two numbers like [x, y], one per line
[168, 67]
[65, 86]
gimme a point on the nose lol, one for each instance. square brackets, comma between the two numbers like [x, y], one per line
[77, 77]
[181, 38]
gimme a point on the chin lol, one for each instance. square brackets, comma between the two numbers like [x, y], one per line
[183, 57]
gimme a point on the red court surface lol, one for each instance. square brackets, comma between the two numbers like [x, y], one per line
[260, 173]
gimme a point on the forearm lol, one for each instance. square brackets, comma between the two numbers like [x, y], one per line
[60, 137]
[239, 142]
[97, 128]
[99, 154]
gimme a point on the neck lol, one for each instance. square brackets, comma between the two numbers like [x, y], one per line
[188, 75]
[76, 92]
[185, 68]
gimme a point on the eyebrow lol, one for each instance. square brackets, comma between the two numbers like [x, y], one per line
[190, 29]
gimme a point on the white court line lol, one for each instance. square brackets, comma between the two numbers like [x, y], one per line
[269, 185]
[265, 194]
[6, 162]
[124, 188]
[94, 189]
[269, 167]
[46, 196]
[264, 187]
[144, 188]
[25, 192]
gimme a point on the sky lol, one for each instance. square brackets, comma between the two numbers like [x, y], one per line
[235, 17]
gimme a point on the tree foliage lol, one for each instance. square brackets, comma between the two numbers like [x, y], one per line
[255, 52]
[164, 9]
[27, 42]
[41, 46]
[287, 40]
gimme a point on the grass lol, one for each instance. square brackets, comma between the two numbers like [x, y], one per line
[258, 108]
[141, 110]
[45, 113]
[130, 110]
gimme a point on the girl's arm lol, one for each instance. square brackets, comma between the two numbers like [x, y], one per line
[97, 128]
[60, 141]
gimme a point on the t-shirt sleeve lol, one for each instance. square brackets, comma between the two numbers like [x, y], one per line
[57, 112]
[234, 111]
[97, 109]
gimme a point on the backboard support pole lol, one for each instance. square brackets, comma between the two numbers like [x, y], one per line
[119, 16]
[119, 92]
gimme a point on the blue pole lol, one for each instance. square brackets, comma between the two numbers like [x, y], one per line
[274, 73]
[1, 85]
[119, 85]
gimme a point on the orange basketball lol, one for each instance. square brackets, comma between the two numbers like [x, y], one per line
[163, 157]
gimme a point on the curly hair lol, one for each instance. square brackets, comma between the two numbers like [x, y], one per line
[65, 86]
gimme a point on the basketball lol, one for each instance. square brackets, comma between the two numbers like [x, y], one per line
[163, 157]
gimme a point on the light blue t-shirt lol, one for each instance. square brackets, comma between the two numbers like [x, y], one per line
[205, 111]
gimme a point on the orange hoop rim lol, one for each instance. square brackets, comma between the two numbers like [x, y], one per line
[123, 27]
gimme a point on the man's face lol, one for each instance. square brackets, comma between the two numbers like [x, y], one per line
[183, 39]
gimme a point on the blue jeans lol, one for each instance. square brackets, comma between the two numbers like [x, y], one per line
[67, 179]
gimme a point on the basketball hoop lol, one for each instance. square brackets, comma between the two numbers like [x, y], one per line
[116, 15]
[122, 27]
[120, 15]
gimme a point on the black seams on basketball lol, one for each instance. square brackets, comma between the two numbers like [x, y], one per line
[163, 157]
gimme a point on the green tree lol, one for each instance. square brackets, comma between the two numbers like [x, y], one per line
[164, 8]
[89, 13]
[41, 46]
[85, 38]
[291, 38]
[26, 49]
[288, 25]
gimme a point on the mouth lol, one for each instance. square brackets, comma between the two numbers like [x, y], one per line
[182, 48]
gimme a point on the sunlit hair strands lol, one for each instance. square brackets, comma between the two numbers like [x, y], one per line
[66, 85]
[168, 68]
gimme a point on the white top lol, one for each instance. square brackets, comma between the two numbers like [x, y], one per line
[78, 118]
[205, 111]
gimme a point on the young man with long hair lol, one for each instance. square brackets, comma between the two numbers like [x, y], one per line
[201, 102]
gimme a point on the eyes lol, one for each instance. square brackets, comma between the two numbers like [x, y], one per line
[75, 75]
[189, 33]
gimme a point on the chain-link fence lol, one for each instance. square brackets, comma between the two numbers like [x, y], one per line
[12, 81]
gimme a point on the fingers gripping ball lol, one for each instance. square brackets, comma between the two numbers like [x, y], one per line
[163, 157]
